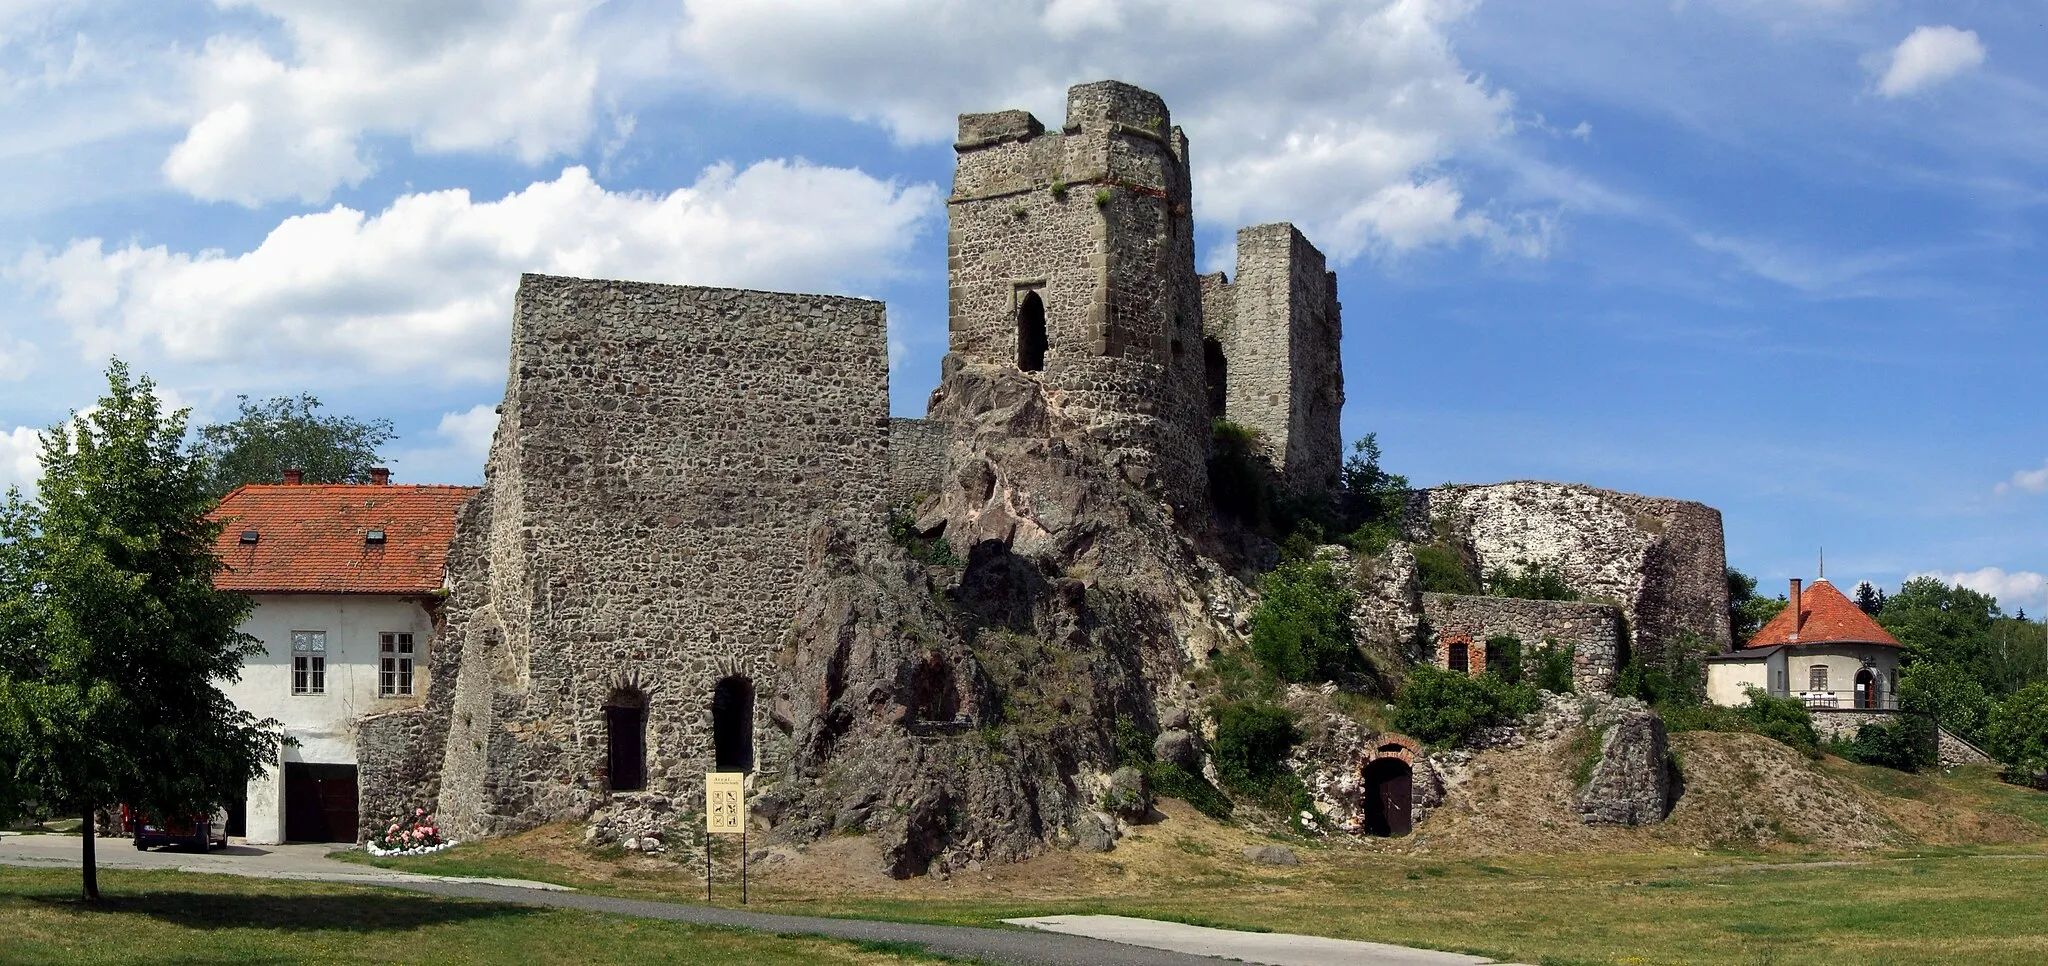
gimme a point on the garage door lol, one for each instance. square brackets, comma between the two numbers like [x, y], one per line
[319, 802]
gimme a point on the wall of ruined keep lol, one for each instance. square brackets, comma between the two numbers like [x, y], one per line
[1095, 219]
[1595, 631]
[918, 449]
[663, 455]
[1279, 325]
[1661, 561]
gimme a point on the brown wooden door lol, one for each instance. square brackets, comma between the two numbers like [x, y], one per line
[319, 802]
[1389, 797]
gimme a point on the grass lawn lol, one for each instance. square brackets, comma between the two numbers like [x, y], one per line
[170, 917]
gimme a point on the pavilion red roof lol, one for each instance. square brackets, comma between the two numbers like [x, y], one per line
[1830, 618]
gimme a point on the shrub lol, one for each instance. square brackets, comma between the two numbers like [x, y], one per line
[1237, 472]
[1103, 197]
[1445, 707]
[1784, 720]
[1134, 748]
[2018, 733]
[1906, 743]
[1441, 569]
[1533, 581]
[1504, 657]
[934, 551]
[1301, 630]
[1680, 681]
[1059, 191]
[1373, 501]
[416, 831]
[1252, 744]
[1554, 667]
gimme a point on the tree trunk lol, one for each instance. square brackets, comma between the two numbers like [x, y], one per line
[92, 875]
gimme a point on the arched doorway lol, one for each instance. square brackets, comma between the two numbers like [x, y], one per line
[625, 732]
[732, 724]
[1389, 797]
[1869, 689]
[1217, 370]
[1031, 333]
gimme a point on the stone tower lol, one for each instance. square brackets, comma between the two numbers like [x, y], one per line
[1071, 255]
[1270, 348]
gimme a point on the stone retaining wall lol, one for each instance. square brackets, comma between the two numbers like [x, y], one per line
[1594, 631]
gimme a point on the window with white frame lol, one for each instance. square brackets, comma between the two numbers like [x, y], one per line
[1817, 678]
[309, 662]
[394, 664]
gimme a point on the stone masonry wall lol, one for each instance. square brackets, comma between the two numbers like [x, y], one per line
[1661, 561]
[663, 455]
[1594, 630]
[1095, 220]
[918, 449]
[1280, 327]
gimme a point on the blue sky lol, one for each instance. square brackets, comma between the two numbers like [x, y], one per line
[1779, 256]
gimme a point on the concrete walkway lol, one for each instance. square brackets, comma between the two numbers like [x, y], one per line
[1046, 941]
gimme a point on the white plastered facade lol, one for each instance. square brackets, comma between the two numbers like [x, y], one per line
[1787, 671]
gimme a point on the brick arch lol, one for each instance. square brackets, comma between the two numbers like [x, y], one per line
[1392, 745]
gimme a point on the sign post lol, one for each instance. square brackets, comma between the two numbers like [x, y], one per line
[725, 811]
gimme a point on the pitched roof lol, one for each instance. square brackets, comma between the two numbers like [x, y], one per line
[312, 538]
[1830, 619]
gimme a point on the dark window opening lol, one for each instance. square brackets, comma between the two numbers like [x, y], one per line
[933, 694]
[1461, 657]
[625, 730]
[1218, 371]
[732, 724]
[1868, 691]
[1031, 333]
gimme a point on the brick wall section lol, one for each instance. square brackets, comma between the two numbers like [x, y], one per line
[1594, 630]
[1122, 309]
[1662, 561]
[621, 537]
[918, 450]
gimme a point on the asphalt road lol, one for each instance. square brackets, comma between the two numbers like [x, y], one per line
[1039, 945]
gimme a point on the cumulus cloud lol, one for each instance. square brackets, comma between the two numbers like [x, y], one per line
[1341, 115]
[454, 75]
[21, 461]
[427, 284]
[455, 449]
[1929, 56]
[2014, 589]
[2029, 481]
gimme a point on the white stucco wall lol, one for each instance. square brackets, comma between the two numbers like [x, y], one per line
[1789, 671]
[323, 724]
[1728, 681]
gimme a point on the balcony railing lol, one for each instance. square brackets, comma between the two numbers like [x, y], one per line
[1843, 700]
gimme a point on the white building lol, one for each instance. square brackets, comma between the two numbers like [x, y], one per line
[1821, 649]
[347, 582]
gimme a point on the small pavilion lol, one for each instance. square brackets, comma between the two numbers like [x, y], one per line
[1821, 649]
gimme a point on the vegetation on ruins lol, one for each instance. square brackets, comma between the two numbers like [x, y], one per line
[1301, 630]
[1446, 707]
[113, 640]
[1748, 612]
[1784, 720]
[1372, 500]
[1134, 748]
[1530, 581]
[1253, 739]
[934, 551]
[288, 432]
[1441, 569]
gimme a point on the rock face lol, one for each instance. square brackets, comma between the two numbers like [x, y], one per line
[1631, 782]
[1661, 561]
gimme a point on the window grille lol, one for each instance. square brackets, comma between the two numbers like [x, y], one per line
[309, 662]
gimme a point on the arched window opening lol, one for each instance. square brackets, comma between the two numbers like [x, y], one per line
[732, 724]
[1031, 333]
[1461, 657]
[1869, 690]
[1217, 369]
[625, 729]
[934, 696]
[1389, 797]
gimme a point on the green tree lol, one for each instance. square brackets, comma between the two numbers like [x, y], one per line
[1374, 500]
[284, 432]
[1748, 612]
[113, 640]
[1445, 707]
[1301, 630]
[2018, 731]
[1942, 623]
[1948, 692]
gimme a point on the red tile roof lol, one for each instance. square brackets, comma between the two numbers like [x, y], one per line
[1830, 619]
[311, 538]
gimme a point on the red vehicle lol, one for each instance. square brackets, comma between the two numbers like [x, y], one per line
[203, 832]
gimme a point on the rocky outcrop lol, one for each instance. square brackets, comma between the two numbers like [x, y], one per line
[1631, 781]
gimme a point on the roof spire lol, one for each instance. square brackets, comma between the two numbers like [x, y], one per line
[1823, 562]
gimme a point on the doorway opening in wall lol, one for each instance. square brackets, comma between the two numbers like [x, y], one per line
[1867, 688]
[1217, 369]
[1031, 333]
[732, 724]
[1389, 797]
[319, 802]
[625, 733]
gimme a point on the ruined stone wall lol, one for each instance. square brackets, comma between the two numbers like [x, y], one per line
[1661, 561]
[1594, 631]
[918, 449]
[1281, 333]
[663, 455]
[1095, 221]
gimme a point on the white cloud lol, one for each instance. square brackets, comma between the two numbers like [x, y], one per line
[1928, 56]
[2031, 481]
[456, 451]
[17, 358]
[453, 75]
[2016, 589]
[1340, 115]
[21, 461]
[427, 284]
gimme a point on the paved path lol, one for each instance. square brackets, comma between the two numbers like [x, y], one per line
[1049, 941]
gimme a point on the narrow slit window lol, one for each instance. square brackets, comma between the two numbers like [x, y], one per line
[1217, 369]
[625, 726]
[1031, 333]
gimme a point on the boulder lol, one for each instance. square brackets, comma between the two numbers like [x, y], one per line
[1177, 747]
[1271, 855]
[1095, 832]
[1128, 796]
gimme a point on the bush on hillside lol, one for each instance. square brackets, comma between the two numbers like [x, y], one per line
[1446, 707]
[1784, 720]
[1252, 743]
[1531, 581]
[1554, 667]
[1906, 743]
[1301, 630]
[1440, 568]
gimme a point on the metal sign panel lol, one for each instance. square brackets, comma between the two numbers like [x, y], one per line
[725, 801]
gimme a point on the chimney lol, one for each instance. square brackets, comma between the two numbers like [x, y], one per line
[1798, 613]
[294, 476]
[380, 476]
